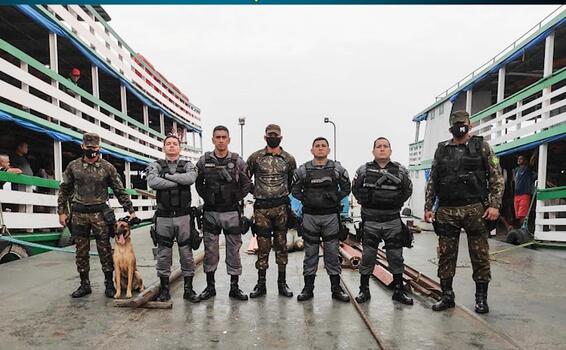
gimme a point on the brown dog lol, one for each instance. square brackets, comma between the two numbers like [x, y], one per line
[126, 275]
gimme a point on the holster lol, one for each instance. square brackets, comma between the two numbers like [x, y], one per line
[110, 219]
[343, 231]
[406, 237]
[490, 225]
[153, 229]
[196, 227]
[291, 218]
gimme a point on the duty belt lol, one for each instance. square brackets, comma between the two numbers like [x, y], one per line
[383, 218]
[83, 208]
[161, 213]
[270, 202]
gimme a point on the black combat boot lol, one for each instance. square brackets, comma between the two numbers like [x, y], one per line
[164, 290]
[284, 289]
[307, 292]
[481, 298]
[109, 290]
[235, 291]
[337, 292]
[189, 293]
[259, 288]
[364, 294]
[400, 293]
[210, 289]
[447, 299]
[84, 288]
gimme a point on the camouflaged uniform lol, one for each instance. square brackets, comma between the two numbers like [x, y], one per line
[457, 213]
[272, 174]
[85, 188]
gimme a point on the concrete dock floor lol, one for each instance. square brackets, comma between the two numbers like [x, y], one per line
[526, 298]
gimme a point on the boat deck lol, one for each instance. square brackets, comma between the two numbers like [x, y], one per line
[526, 299]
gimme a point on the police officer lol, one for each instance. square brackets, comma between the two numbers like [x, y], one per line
[85, 188]
[466, 179]
[273, 169]
[381, 187]
[172, 179]
[222, 182]
[320, 185]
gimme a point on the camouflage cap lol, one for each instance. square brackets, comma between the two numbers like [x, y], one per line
[91, 139]
[459, 117]
[273, 128]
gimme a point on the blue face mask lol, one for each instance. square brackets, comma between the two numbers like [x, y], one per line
[458, 130]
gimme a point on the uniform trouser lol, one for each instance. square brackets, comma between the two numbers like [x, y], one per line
[214, 224]
[389, 232]
[316, 227]
[449, 222]
[178, 228]
[271, 224]
[82, 225]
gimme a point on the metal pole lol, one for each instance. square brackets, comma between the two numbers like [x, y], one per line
[334, 125]
[242, 122]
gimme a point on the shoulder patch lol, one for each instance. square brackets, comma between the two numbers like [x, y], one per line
[494, 160]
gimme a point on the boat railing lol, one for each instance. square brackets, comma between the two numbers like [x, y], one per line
[550, 223]
[128, 135]
[112, 49]
[501, 55]
[525, 117]
[30, 202]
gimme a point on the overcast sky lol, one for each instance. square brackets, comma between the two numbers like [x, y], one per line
[369, 68]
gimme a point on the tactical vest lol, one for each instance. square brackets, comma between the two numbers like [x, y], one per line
[461, 173]
[176, 198]
[320, 190]
[384, 186]
[221, 182]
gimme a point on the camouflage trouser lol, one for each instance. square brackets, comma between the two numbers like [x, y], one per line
[82, 225]
[449, 222]
[271, 222]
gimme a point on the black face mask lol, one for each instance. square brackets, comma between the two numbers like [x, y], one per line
[90, 153]
[273, 141]
[459, 129]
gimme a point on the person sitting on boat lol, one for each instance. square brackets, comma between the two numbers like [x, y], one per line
[19, 159]
[5, 166]
[85, 188]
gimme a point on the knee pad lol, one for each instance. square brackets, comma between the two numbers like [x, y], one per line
[210, 227]
[164, 241]
[311, 237]
[371, 240]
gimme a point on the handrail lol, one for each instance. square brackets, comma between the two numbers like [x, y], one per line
[551, 193]
[32, 62]
[500, 54]
[174, 115]
[22, 179]
[56, 127]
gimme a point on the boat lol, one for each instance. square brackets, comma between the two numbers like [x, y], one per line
[120, 95]
[517, 102]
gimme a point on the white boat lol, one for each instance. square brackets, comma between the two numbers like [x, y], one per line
[517, 102]
[120, 95]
